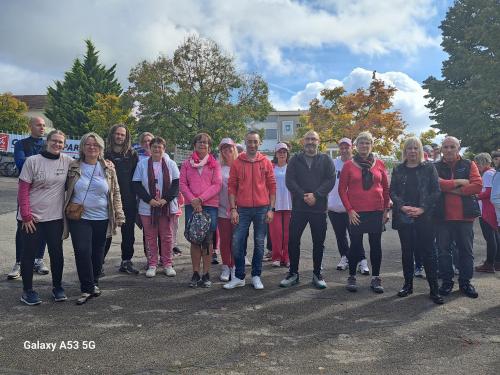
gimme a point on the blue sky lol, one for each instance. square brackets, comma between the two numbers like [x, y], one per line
[299, 47]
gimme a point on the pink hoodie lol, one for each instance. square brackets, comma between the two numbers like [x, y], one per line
[205, 186]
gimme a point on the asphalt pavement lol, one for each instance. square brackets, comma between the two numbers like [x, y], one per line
[160, 326]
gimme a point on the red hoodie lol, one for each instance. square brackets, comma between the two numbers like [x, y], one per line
[252, 182]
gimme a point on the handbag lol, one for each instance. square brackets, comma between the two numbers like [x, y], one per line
[198, 228]
[74, 211]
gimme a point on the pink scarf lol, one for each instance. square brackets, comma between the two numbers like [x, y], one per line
[207, 160]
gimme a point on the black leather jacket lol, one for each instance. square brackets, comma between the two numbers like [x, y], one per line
[428, 190]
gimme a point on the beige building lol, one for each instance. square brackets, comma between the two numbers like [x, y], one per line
[36, 107]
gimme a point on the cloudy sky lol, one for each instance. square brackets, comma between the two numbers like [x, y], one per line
[300, 47]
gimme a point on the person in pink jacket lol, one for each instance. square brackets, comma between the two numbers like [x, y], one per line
[200, 184]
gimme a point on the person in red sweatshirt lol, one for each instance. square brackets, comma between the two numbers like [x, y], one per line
[459, 181]
[252, 195]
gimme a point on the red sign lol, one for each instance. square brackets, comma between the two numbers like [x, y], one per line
[4, 142]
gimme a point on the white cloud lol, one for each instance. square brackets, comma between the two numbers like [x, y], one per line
[45, 36]
[409, 99]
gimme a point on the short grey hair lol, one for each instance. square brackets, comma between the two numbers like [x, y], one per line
[366, 136]
[99, 141]
[451, 138]
[483, 159]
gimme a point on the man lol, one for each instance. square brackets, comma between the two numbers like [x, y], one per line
[125, 158]
[310, 176]
[459, 181]
[252, 194]
[24, 148]
[337, 213]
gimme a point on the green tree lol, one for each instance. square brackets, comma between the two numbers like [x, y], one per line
[465, 103]
[428, 136]
[13, 114]
[338, 114]
[70, 102]
[108, 111]
[198, 89]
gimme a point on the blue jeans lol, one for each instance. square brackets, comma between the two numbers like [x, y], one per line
[257, 215]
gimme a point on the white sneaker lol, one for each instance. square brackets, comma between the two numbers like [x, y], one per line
[343, 264]
[234, 283]
[247, 262]
[276, 263]
[363, 267]
[15, 273]
[225, 274]
[151, 272]
[170, 272]
[257, 282]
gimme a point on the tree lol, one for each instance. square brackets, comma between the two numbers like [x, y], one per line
[339, 114]
[13, 114]
[198, 89]
[465, 102]
[70, 102]
[108, 111]
[427, 137]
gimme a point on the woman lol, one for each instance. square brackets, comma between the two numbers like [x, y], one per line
[364, 191]
[415, 191]
[92, 183]
[144, 150]
[200, 184]
[156, 182]
[41, 196]
[278, 228]
[228, 153]
[488, 219]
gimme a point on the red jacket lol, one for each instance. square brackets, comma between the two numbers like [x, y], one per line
[351, 191]
[252, 182]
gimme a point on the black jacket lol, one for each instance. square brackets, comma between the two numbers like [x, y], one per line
[428, 190]
[319, 179]
[125, 167]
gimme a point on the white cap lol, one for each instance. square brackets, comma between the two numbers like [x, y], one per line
[345, 140]
[280, 146]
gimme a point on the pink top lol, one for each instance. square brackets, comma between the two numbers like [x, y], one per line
[23, 197]
[205, 185]
[351, 188]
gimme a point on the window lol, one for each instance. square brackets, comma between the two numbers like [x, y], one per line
[271, 134]
[287, 127]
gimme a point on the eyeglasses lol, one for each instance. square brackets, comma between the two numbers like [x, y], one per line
[91, 145]
[202, 142]
[311, 139]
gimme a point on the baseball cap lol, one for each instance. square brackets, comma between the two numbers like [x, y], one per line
[279, 146]
[226, 141]
[345, 140]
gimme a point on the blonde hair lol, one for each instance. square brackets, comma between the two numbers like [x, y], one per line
[55, 131]
[99, 141]
[413, 141]
[234, 154]
[367, 136]
[144, 135]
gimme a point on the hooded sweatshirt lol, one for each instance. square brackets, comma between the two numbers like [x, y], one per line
[252, 182]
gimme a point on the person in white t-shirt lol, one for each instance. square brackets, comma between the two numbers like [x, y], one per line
[228, 154]
[337, 212]
[156, 182]
[41, 198]
[279, 227]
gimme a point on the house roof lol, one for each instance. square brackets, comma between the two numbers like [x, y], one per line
[33, 101]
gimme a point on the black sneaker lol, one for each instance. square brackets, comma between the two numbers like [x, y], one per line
[214, 259]
[31, 298]
[469, 290]
[127, 267]
[177, 251]
[58, 294]
[195, 280]
[205, 281]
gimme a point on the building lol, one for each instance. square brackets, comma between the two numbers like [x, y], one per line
[282, 126]
[36, 107]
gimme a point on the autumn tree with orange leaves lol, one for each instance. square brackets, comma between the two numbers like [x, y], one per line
[339, 114]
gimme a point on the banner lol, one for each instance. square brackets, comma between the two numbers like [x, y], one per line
[7, 142]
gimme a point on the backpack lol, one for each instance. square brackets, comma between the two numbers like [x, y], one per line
[198, 228]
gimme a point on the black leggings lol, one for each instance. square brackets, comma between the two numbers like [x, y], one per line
[51, 232]
[356, 252]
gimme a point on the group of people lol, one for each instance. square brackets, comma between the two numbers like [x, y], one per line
[434, 200]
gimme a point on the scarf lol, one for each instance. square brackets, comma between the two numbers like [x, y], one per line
[49, 155]
[156, 212]
[207, 160]
[366, 174]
